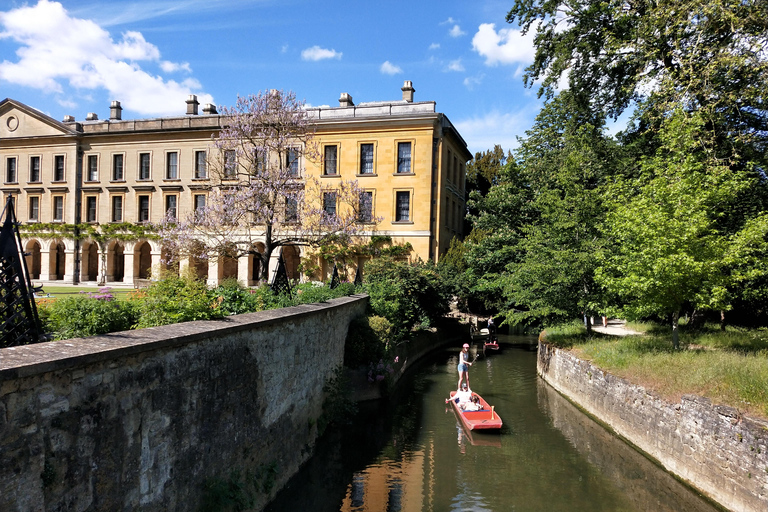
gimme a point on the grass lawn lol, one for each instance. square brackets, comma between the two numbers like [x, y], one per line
[67, 291]
[729, 368]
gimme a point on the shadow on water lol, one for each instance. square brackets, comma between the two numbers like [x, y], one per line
[411, 454]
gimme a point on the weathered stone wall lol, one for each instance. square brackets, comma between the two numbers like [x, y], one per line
[143, 420]
[713, 448]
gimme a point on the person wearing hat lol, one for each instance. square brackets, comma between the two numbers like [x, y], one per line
[464, 365]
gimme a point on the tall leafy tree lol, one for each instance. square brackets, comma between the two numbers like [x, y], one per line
[671, 246]
[565, 158]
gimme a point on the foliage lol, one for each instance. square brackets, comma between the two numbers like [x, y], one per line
[368, 339]
[87, 315]
[124, 231]
[406, 294]
[672, 246]
[338, 407]
[258, 198]
[175, 299]
[235, 299]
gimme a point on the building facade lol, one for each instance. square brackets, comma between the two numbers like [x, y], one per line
[86, 190]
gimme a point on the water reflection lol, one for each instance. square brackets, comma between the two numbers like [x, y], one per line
[411, 453]
[639, 479]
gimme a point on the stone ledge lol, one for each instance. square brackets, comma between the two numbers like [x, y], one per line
[38, 358]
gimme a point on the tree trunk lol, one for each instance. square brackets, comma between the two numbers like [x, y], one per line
[588, 324]
[675, 333]
[722, 320]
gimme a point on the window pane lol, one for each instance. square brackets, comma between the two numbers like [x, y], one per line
[330, 159]
[58, 208]
[172, 166]
[34, 168]
[329, 203]
[90, 209]
[403, 157]
[117, 209]
[230, 163]
[403, 211]
[170, 206]
[117, 168]
[199, 201]
[291, 209]
[366, 207]
[292, 162]
[144, 169]
[34, 208]
[93, 168]
[143, 208]
[10, 176]
[200, 171]
[58, 168]
[366, 158]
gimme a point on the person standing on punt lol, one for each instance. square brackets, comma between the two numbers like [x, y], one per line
[464, 365]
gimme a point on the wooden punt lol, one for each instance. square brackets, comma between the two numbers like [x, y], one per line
[485, 419]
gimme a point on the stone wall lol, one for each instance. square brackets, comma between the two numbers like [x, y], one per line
[154, 419]
[715, 449]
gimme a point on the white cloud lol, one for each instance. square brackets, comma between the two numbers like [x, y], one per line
[472, 81]
[449, 21]
[455, 65]
[390, 69]
[503, 128]
[58, 52]
[316, 53]
[507, 46]
[456, 31]
[434, 46]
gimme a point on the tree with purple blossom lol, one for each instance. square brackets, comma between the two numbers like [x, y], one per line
[257, 190]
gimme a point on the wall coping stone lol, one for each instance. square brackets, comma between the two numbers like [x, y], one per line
[39, 358]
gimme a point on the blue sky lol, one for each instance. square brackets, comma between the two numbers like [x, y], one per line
[74, 57]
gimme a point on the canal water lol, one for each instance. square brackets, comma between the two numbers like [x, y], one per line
[411, 454]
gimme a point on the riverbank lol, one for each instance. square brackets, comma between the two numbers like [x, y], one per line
[716, 449]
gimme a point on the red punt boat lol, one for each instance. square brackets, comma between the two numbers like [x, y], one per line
[484, 419]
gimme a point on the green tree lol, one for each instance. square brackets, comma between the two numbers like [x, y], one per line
[671, 245]
[565, 159]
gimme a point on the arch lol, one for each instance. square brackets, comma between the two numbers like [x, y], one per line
[197, 262]
[57, 260]
[168, 262]
[142, 260]
[292, 260]
[116, 262]
[34, 260]
[228, 263]
[254, 262]
[90, 262]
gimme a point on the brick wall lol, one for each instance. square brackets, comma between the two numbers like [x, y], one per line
[715, 449]
[141, 420]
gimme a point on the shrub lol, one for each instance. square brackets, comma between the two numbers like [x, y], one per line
[87, 315]
[175, 299]
[364, 340]
[406, 294]
[235, 299]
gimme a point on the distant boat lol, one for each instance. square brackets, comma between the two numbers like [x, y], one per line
[484, 419]
[491, 345]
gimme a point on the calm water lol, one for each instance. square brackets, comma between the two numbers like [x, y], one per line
[412, 454]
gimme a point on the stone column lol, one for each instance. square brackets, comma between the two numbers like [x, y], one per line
[69, 266]
[45, 265]
[213, 271]
[244, 266]
[157, 265]
[128, 270]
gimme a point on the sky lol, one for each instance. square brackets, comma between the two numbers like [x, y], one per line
[73, 57]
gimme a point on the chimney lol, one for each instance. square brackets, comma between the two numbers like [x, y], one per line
[192, 105]
[210, 108]
[115, 111]
[92, 116]
[69, 119]
[408, 91]
[346, 100]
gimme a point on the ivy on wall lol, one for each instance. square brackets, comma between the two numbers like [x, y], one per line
[123, 231]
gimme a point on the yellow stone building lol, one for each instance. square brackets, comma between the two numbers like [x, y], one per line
[73, 179]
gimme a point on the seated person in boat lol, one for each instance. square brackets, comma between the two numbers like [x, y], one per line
[472, 405]
[463, 396]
